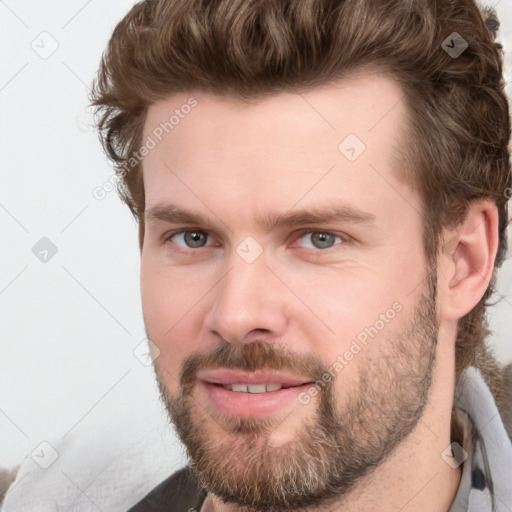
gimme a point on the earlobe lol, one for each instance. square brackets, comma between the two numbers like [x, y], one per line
[469, 260]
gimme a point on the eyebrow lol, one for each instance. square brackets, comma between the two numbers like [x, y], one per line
[173, 214]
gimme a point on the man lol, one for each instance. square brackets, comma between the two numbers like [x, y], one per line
[321, 190]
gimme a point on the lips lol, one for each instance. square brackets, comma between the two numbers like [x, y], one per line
[246, 394]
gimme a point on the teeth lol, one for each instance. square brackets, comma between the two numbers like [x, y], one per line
[252, 388]
[256, 388]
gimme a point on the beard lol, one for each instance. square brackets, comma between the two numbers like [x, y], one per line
[340, 441]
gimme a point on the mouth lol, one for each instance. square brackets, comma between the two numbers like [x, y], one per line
[244, 394]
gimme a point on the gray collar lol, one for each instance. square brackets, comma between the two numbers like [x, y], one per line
[486, 482]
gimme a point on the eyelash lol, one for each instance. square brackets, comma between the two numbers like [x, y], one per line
[344, 238]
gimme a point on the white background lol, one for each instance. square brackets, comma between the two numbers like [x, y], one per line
[69, 326]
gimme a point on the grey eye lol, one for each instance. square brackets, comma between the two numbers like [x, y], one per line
[322, 240]
[319, 240]
[191, 239]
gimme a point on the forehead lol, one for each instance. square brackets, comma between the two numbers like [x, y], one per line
[359, 103]
[342, 138]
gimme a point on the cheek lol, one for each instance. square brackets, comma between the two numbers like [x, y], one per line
[167, 296]
[345, 301]
[169, 306]
[357, 314]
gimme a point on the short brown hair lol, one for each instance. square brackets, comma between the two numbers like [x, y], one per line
[457, 150]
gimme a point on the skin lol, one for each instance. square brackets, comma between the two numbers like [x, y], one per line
[233, 164]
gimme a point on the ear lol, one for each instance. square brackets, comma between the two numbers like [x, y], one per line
[466, 265]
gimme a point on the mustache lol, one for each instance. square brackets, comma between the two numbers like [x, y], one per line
[250, 357]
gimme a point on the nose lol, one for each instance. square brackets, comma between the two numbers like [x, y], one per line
[248, 304]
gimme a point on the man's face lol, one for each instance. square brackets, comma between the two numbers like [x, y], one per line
[251, 302]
